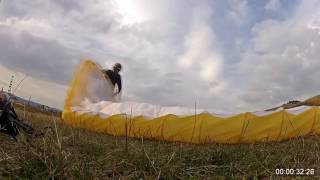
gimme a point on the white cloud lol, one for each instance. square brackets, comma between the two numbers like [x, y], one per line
[283, 62]
[132, 11]
[273, 5]
[239, 10]
[200, 50]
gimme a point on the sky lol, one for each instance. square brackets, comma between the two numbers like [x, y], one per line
[223, 55]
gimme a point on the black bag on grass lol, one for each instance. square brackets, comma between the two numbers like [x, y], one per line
[10, 124]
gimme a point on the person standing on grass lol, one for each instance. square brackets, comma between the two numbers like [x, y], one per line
[114, 76]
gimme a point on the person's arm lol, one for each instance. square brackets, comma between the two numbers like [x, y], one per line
[119, 83]
[105, 73]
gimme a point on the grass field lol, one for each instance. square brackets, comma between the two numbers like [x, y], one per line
[66, 153]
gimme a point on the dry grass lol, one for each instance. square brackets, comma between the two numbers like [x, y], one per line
[68, 153]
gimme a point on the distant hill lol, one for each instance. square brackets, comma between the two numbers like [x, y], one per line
[313, 101]
[21, 101]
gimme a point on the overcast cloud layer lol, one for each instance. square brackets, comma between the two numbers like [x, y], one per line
[228, 56]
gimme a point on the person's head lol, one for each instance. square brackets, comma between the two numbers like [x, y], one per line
[117, 67]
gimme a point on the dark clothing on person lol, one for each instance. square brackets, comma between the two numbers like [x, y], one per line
[114, 77]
